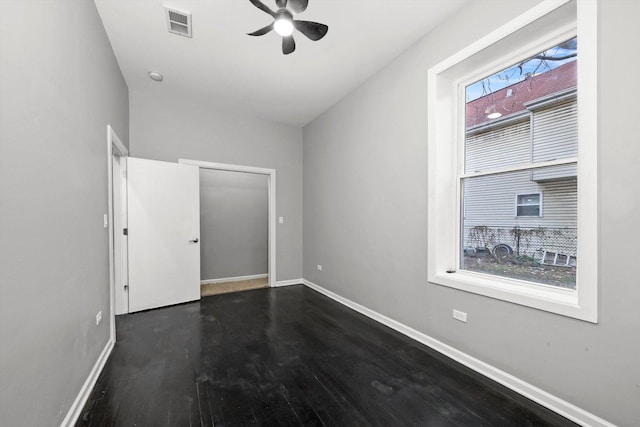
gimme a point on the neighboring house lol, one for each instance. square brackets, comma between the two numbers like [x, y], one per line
[532, 211]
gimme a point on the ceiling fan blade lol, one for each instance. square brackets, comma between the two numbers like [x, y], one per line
[262, 31]
[281, 3]
[288, 45]
[263, 7]
[298, 5]
[313, 30]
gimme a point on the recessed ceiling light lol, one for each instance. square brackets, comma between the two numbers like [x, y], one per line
[155, 76]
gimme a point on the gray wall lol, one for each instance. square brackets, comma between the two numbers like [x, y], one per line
[166, 128]
[234, 224]
[365, 221]
[60, 86]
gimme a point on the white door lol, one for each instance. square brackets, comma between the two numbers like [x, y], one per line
[164, 232]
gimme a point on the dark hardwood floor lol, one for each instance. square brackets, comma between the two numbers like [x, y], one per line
[288, 357]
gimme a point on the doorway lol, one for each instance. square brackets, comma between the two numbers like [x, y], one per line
[270, 175]
[120, 178]
[234, 225]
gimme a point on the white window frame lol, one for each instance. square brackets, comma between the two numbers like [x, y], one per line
[549, 21]
[539, 204]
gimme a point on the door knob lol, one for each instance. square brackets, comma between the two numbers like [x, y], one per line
[194, 240]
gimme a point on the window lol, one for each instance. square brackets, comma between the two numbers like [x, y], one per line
[505, 125]
[529, 204]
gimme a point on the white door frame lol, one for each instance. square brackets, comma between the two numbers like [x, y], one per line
[120, 240]
[271, 177]
[114, 147]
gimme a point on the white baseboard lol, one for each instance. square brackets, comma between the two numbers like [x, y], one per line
[76, 408]
[233, 279]
[530, 391]
[288, 283]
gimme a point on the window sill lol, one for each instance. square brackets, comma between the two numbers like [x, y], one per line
[548, 298]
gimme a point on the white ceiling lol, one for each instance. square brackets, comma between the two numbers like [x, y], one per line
[227, 69]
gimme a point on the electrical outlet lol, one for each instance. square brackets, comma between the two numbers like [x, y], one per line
[98, 317]
[319, 267]
[281, 220]
[460, 315]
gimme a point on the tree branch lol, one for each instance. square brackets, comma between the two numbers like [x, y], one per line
[553, 58]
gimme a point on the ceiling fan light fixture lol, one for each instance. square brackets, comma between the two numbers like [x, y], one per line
[283, 26]
[492, 113]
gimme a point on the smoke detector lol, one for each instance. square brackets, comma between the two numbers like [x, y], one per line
[153, 75]
[178, 22]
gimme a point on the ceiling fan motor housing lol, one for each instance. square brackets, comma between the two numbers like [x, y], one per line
[284, 14]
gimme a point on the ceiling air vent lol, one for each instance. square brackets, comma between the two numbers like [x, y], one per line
[178, 22]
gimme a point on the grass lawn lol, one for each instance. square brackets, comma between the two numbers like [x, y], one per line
[564, 277]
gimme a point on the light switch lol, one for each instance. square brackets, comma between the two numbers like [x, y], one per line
[106, 220]
[281, 220]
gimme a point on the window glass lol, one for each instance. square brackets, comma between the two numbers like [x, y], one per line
[528, 205]
[517, 121]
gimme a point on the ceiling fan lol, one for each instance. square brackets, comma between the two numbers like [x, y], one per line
[284, 24]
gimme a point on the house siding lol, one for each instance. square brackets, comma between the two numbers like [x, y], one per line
[486, 150]
[547, 133]
[491, 200]
[555, 136]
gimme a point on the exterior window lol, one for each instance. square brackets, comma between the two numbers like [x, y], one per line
[511, 102]
[517, 121]
[529, 204]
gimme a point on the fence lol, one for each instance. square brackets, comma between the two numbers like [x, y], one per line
[529, 241]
